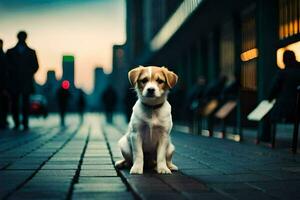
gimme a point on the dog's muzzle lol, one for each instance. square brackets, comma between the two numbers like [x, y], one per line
[150, 92]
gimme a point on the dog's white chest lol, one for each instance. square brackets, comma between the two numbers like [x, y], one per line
[151, 124]
[155, 119]
[150, 135]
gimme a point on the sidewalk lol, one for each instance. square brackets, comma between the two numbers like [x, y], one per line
[225, 169]
[77, 163]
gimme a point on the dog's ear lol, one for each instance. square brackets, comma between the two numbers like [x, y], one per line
[171, 77]
[134, 74]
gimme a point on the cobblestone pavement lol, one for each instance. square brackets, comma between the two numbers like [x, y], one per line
[76, 162]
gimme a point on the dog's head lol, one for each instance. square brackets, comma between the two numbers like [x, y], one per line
[152, 82]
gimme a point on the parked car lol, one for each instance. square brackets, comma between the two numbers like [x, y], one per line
[38, 106]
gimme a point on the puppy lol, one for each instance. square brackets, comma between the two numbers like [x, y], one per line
[151, 121]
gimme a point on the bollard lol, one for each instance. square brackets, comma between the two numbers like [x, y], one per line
[296, 125]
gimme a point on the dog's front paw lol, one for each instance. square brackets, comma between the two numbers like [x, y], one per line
[172, 167]
[136, 169]
[163, 170]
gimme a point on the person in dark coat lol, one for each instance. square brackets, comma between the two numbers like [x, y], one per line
[284, 89]
[109, 98]
[4, 98]
[129, 101]
[81, 105]
[23, 64]
[177, 100]
[63, 95]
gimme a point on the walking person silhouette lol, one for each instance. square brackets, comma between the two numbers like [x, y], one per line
[81, 105]
[23, 64]
[109, 98]
[63, 96]
[4, 97]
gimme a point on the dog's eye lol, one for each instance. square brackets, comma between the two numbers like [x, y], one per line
[144, 80]
[160, 81]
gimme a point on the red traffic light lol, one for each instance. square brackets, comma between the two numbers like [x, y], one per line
[65, 84]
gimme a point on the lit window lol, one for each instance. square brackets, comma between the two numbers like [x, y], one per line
[249, 55]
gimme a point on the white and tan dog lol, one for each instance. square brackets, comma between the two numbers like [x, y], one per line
[151, 121]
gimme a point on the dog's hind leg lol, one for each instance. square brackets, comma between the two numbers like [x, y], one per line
[170, 151]
[126, 152]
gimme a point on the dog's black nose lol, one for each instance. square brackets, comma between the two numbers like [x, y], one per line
[150, 90]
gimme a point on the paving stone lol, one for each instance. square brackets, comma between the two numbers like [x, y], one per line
[103, 195]
[95, 173]
[100, 180]
[97, 167]
[233, 178]
[55, 158]
[195, 172]
[161, 195]
[57, 172]
[8, 174]
[61, 167]
[47, 187]
[100, 187]
[96, 152]
[284, 194]
[26, 161]
[281, 174]
[97, 161]
[235, 170]
[109, 162]
[184, 183]
[207, 196]
[276, 185]
[62, 162]
[47, 195]
[249, 194]
[141, 184]
[104, 155]
[24, 167]
[41, 178]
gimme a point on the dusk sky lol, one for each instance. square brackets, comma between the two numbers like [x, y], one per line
[86, 29]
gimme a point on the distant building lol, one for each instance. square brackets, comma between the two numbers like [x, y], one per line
[51, 78]
[100, 83]
[100, 80]
[49, 90]
[68, 69]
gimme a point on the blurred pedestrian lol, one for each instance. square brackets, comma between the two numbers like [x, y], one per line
[195, 95]
[177, 99]
[81, 105]
[4, 98]
[23, 64]
[109, 99]
[63, 95]
[129, 101]
[284, 89]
